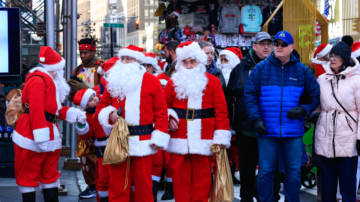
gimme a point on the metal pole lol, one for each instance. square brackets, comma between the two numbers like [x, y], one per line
[57, 26]
[50, 29]
[68, 61]
[111, 42]
[73, 64]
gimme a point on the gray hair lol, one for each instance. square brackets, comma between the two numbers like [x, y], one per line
[203, 44]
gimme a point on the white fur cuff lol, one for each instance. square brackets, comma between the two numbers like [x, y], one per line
[72, 114]
[82, 131]
[104, 116]
[160, 139]
[173, 114]
[41, 135]
[222, 137]
[50, 185]
[103, 194]
[24, 189]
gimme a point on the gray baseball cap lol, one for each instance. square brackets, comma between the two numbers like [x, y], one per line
[260, 36]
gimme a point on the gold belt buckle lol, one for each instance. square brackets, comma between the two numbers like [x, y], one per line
[55, 119]
[129, 130]
[187, 114]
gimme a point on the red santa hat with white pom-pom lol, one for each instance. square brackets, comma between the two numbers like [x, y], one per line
[191, 49]
[233, 55]
[82, 97]
[355, 49]
[150, 59]
[320, 52]
[106, 66]
[50, 59]
[132, 51]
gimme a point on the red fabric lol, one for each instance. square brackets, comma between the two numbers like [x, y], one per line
[135, 48]
[236, 51]
[162, 65]
[86, 47]
[233, 154]
[151, 55]
[191, 177]
[95, 129]
[141, 171]
[33, 167]
[182, 45]
[161, 160]
[319, 70]
[102, 171]
[48, 56]
[106, 66]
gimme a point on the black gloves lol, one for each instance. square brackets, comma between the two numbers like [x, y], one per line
[358, 147]
[296, 113]
[260, 127]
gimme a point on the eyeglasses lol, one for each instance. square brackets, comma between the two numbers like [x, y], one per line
[147, 65]
[282, 44]
[333, 56]
[262, 44]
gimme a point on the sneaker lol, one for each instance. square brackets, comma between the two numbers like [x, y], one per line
[89, 192]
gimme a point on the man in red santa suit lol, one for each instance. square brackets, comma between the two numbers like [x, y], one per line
[228, 59]
[143, 106]
[198, 118]
[103, 70]
[36, 136]
[151, 64]
[321, 57]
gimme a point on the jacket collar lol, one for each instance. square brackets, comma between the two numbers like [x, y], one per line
[277, 62]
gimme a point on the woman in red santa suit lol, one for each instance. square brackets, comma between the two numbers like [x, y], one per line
[143, 106]
[198, 118]
[36, 136]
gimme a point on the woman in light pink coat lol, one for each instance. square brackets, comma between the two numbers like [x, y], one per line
[337, 132]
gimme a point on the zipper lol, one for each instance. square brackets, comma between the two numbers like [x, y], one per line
[347, 120]
[282, 80]
[334, 120]
[318, 121]
[326, 123]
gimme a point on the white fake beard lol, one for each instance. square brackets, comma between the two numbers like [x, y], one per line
[61, 85]
[190, 82]
[124, 79]
[226, 70]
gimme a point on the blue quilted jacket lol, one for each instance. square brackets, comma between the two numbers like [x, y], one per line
[272, 89]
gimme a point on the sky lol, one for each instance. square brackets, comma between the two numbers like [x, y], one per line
[4, 40]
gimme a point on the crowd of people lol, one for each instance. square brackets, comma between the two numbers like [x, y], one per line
[176, 110]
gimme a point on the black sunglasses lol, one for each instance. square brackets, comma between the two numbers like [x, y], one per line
[282, 44]
[147, 65]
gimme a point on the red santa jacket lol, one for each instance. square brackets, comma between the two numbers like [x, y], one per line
[92, 129]
[41, 95]
[144, 106]
[97, 88]
[319, 70]
[196, 137]
[163, 78]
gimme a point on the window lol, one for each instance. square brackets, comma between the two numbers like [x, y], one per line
[88, 3]
[147, 2]
[151, 2]
[146, 13]
[88, 12]
[151, 13]
[144, 39]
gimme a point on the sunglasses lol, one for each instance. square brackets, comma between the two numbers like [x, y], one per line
[282, 44]
[147, 65]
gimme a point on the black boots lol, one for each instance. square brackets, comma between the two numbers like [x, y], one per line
[155, 189]
[105, 199]
[169, 193]
[29, 197]
[51, 195]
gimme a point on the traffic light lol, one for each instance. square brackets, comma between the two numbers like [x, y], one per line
[137, 24]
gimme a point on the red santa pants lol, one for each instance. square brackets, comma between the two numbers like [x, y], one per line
[161, 160]
[191, 177]
[102, 178]
[33, 167]
[140, 169]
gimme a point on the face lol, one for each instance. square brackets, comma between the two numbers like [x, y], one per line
[325, 58]
[190, 63]
[336, 62]
[209, 53]
[167, 55]
[93, 102]
[224, 60]
[149, 68]
[86, 56]
[282, 52]
[262, 48]
[127, 59]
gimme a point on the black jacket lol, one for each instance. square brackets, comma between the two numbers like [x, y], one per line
[235, 93]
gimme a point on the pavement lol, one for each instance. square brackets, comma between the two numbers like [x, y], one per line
[74, 182]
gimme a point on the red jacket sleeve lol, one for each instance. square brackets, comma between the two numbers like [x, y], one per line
[104, 109]
[168, 91]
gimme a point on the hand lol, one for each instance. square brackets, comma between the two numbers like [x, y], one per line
[42, 146]
[358, 147]
[81, 117]
[90, 142]
[221, 146]
[173, 124]
[308, 163]
[296, 113]
[76, 85]
[155, 147]
[114, 117]
[260, 127]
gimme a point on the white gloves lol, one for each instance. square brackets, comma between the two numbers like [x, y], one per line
[81, 117]
[42, 145]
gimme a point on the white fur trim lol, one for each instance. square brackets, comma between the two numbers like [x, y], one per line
[154, 63]
[41, 134]
[50, 185]
[222, 137]
[82, 131]
[325, 51]
[155, 178]
[194, 51]
[98, 143]
[55, 67]
[175, 13]
[100, 71]
[318, 62]
[85, 99]
[355, 54]
[104, 116]
[160, 139]
[24, 189]
[163, 82]
[134, 54]
[72, 114]
[103, 194]
[29, 144]
[184, 146]
[168, 179]
[173, 114]
[140, 148]
[231, 57]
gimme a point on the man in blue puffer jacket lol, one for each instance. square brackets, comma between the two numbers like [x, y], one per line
[272, 100]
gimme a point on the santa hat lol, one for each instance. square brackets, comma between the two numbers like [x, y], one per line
[106, 66]
[233, 55]
[132, 51]
[355, 49]
[163, 65]
[50, 59]
[150, 59]
[320, 52]
[190, 49]
[82, 97]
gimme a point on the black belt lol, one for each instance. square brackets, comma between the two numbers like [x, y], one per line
[99, 151]
[102, 138]
[190, 114]
[140, 130]
[52, 118]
